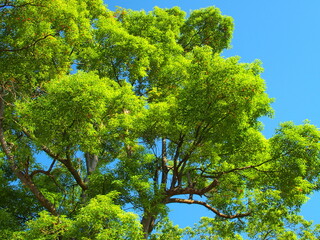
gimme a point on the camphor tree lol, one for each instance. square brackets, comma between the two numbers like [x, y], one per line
[153, 115]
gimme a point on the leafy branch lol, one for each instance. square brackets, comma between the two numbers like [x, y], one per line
[28, 45]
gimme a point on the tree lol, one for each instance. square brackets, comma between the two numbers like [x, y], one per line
[152, 112]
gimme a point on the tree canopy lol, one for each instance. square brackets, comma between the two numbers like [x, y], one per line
[107, 117]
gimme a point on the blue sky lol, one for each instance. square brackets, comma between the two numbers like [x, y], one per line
[285, 36]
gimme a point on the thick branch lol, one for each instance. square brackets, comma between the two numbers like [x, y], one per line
[192, 190]
[68, 164]
[43, 171]
[218, 213]
[147, 222]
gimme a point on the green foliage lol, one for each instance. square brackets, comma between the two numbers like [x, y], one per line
[8, 224]
[93, 108]
[38, 42]
[100, 219]
[215, 229]
[166, 230]
[17, 205]
[207, 27]
[44, 228]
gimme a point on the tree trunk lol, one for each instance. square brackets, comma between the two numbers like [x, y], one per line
[147, 222]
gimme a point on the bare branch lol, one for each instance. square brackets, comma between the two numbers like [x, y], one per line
[217, 212]
[75, 174]
[43, 171]
[192, 190]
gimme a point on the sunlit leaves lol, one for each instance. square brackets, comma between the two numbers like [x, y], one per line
[206, 27]
[80, 111]
[100, 219]
[37, 43]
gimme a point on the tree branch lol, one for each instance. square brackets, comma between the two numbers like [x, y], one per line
[8, 4]
[175, 160]
[196, 143]
[65, 161]
[43, 147]
[43, 171]
[218, 174]
[192, 190]
[164, 162]
[217, 212]
[68, 164]
[28, 45]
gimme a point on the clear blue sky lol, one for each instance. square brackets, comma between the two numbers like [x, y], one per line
[285, 35]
